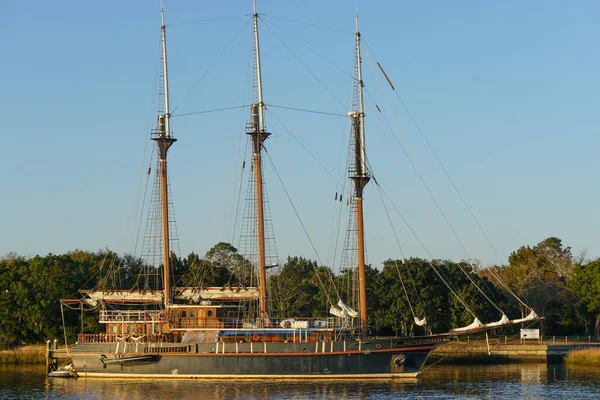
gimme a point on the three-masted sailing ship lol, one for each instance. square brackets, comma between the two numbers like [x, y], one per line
[208, 332]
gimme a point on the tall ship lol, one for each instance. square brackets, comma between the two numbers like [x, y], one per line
[229, 332]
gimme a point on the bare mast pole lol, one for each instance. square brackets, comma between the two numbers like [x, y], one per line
[259, 135]
[361, 178]
[164, 141]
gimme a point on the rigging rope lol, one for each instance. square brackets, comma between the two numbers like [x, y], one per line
[210, 111]
[453, 184]
[210, 67]
[304, 66]
[305, 110]
[438, 273]
[313, 25]
[308, 151]
[204, 20]
[317, 53]
[420, 176]
[304, 229]
[396, 261]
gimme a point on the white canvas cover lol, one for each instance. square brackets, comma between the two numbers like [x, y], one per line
[476, 324]
[344, 307]
[532, 316]
[300, 325]
[333, 310]
[503, 321]
[287, 323]
[123, 296]
[216, 293]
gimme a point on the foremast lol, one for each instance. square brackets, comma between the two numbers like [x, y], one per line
[360, 178]
[258, 134]
[164, 140]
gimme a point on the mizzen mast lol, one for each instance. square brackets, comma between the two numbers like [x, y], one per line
[360, 178]
[258, 135]
[164, 140]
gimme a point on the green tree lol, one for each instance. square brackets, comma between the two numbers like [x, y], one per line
[586, 286]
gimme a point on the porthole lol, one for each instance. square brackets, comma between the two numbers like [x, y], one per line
[183, 314]
[304, 349]
[378, 346]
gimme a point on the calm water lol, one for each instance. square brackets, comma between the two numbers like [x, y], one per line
[516, 381]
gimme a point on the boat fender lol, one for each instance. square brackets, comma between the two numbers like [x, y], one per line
[256, 337]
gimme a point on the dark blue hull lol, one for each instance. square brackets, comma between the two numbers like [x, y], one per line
[343, 360]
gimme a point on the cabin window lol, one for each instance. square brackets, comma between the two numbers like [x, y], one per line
[132, 329]
[183, 314]
[193, 314]
[156, 328]
[174, 314]
[209, 313]
[284, 336]
[114, 329]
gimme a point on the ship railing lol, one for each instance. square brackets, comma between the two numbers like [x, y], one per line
[107, 316]
[203, 323]
[126, 338]
[300, 323]
[252, 323]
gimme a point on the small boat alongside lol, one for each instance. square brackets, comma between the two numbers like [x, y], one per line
[67, 371]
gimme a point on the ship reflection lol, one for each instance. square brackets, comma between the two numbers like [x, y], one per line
[220, 390]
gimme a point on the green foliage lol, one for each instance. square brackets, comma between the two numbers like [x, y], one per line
[541, 275]
[412, 283]
[586, 287]
[567, 295]
[221, 266]
[293, 291]
[30, 293]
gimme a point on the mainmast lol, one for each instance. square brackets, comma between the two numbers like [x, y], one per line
[361, 178]
[259, 135]
[163, 138]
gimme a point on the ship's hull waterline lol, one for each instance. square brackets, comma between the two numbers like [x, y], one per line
[376, 359]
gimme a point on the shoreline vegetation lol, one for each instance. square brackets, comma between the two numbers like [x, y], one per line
[584, 357]
[33, 354]
[562, 288]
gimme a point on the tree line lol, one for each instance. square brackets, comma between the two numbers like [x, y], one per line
[563, 289]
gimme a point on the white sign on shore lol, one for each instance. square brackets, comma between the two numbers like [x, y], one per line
[530, 333]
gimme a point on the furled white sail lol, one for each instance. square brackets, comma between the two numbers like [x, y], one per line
[344, 307]
[216, 293]
[476, 324]
[337, 312]
[421, 322]
[531, 317]
[123, 296]
[503, 321]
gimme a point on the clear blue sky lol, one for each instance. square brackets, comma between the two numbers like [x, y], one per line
[506, 93]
